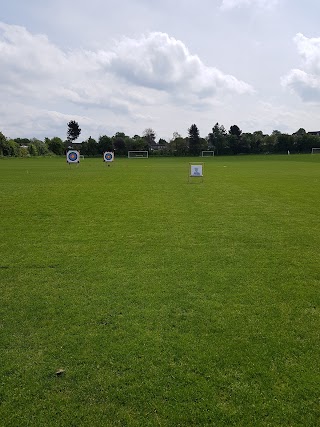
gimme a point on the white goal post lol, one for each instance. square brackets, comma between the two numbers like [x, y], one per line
[315, 151]
[138, 154]
[207, 153]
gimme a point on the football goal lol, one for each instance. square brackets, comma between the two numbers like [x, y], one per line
[315, 151]
[207, 153]
[138, 154]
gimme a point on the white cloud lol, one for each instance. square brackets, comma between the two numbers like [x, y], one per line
[307, 86]
[267, 117]
[126, 79]
[306, 81]
[309, 50]
[164, 63]
[156, 61]
[232, 4]
[32, 121]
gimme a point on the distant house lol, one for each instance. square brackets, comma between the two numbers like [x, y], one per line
[157, 146]
[316, 133]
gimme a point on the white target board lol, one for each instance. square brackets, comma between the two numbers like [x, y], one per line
[73, 156]
[108, 156]
[196, 170]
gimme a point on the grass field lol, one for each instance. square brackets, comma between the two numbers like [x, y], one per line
[166, 303]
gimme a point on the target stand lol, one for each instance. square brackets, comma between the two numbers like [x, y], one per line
[108, 158]
[73, 157]
[195, 174]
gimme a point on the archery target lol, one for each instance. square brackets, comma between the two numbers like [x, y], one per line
[196, 170]
[108, 156]
[73, 156]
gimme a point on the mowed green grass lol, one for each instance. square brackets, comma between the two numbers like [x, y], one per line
[166, 303]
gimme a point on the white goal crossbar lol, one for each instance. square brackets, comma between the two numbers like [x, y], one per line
[315, 151]
[138, 154]
[207, 153]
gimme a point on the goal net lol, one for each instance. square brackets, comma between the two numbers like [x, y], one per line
[207, 153]
[138, 154]
[315, 151]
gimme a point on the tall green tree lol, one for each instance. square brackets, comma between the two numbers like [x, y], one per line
[138, 143]
[217, 140]
[32, 150]
[56, 145]
[284, 143]
[3, 139]
[41, 147]
[235, 130]
[105, 144]
[257, 142]
[269, 143]
[194, 140]
[150, 136]
[8, 147]
[73, 131]
[178, 146]
[121, 142]
[234, 139]
[304, 142]
[92, 147]
[181, 146]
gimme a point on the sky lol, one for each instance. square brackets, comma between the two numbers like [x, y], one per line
[129, 65]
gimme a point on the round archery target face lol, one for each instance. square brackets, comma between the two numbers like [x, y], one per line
[73, 156]
[108, 156]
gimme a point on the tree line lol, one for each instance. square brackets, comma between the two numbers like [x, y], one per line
[219, 140]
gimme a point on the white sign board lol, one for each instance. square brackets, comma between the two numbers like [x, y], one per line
[196, 170]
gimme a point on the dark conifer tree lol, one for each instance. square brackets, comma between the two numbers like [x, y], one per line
[194, 140]
[73, 131]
